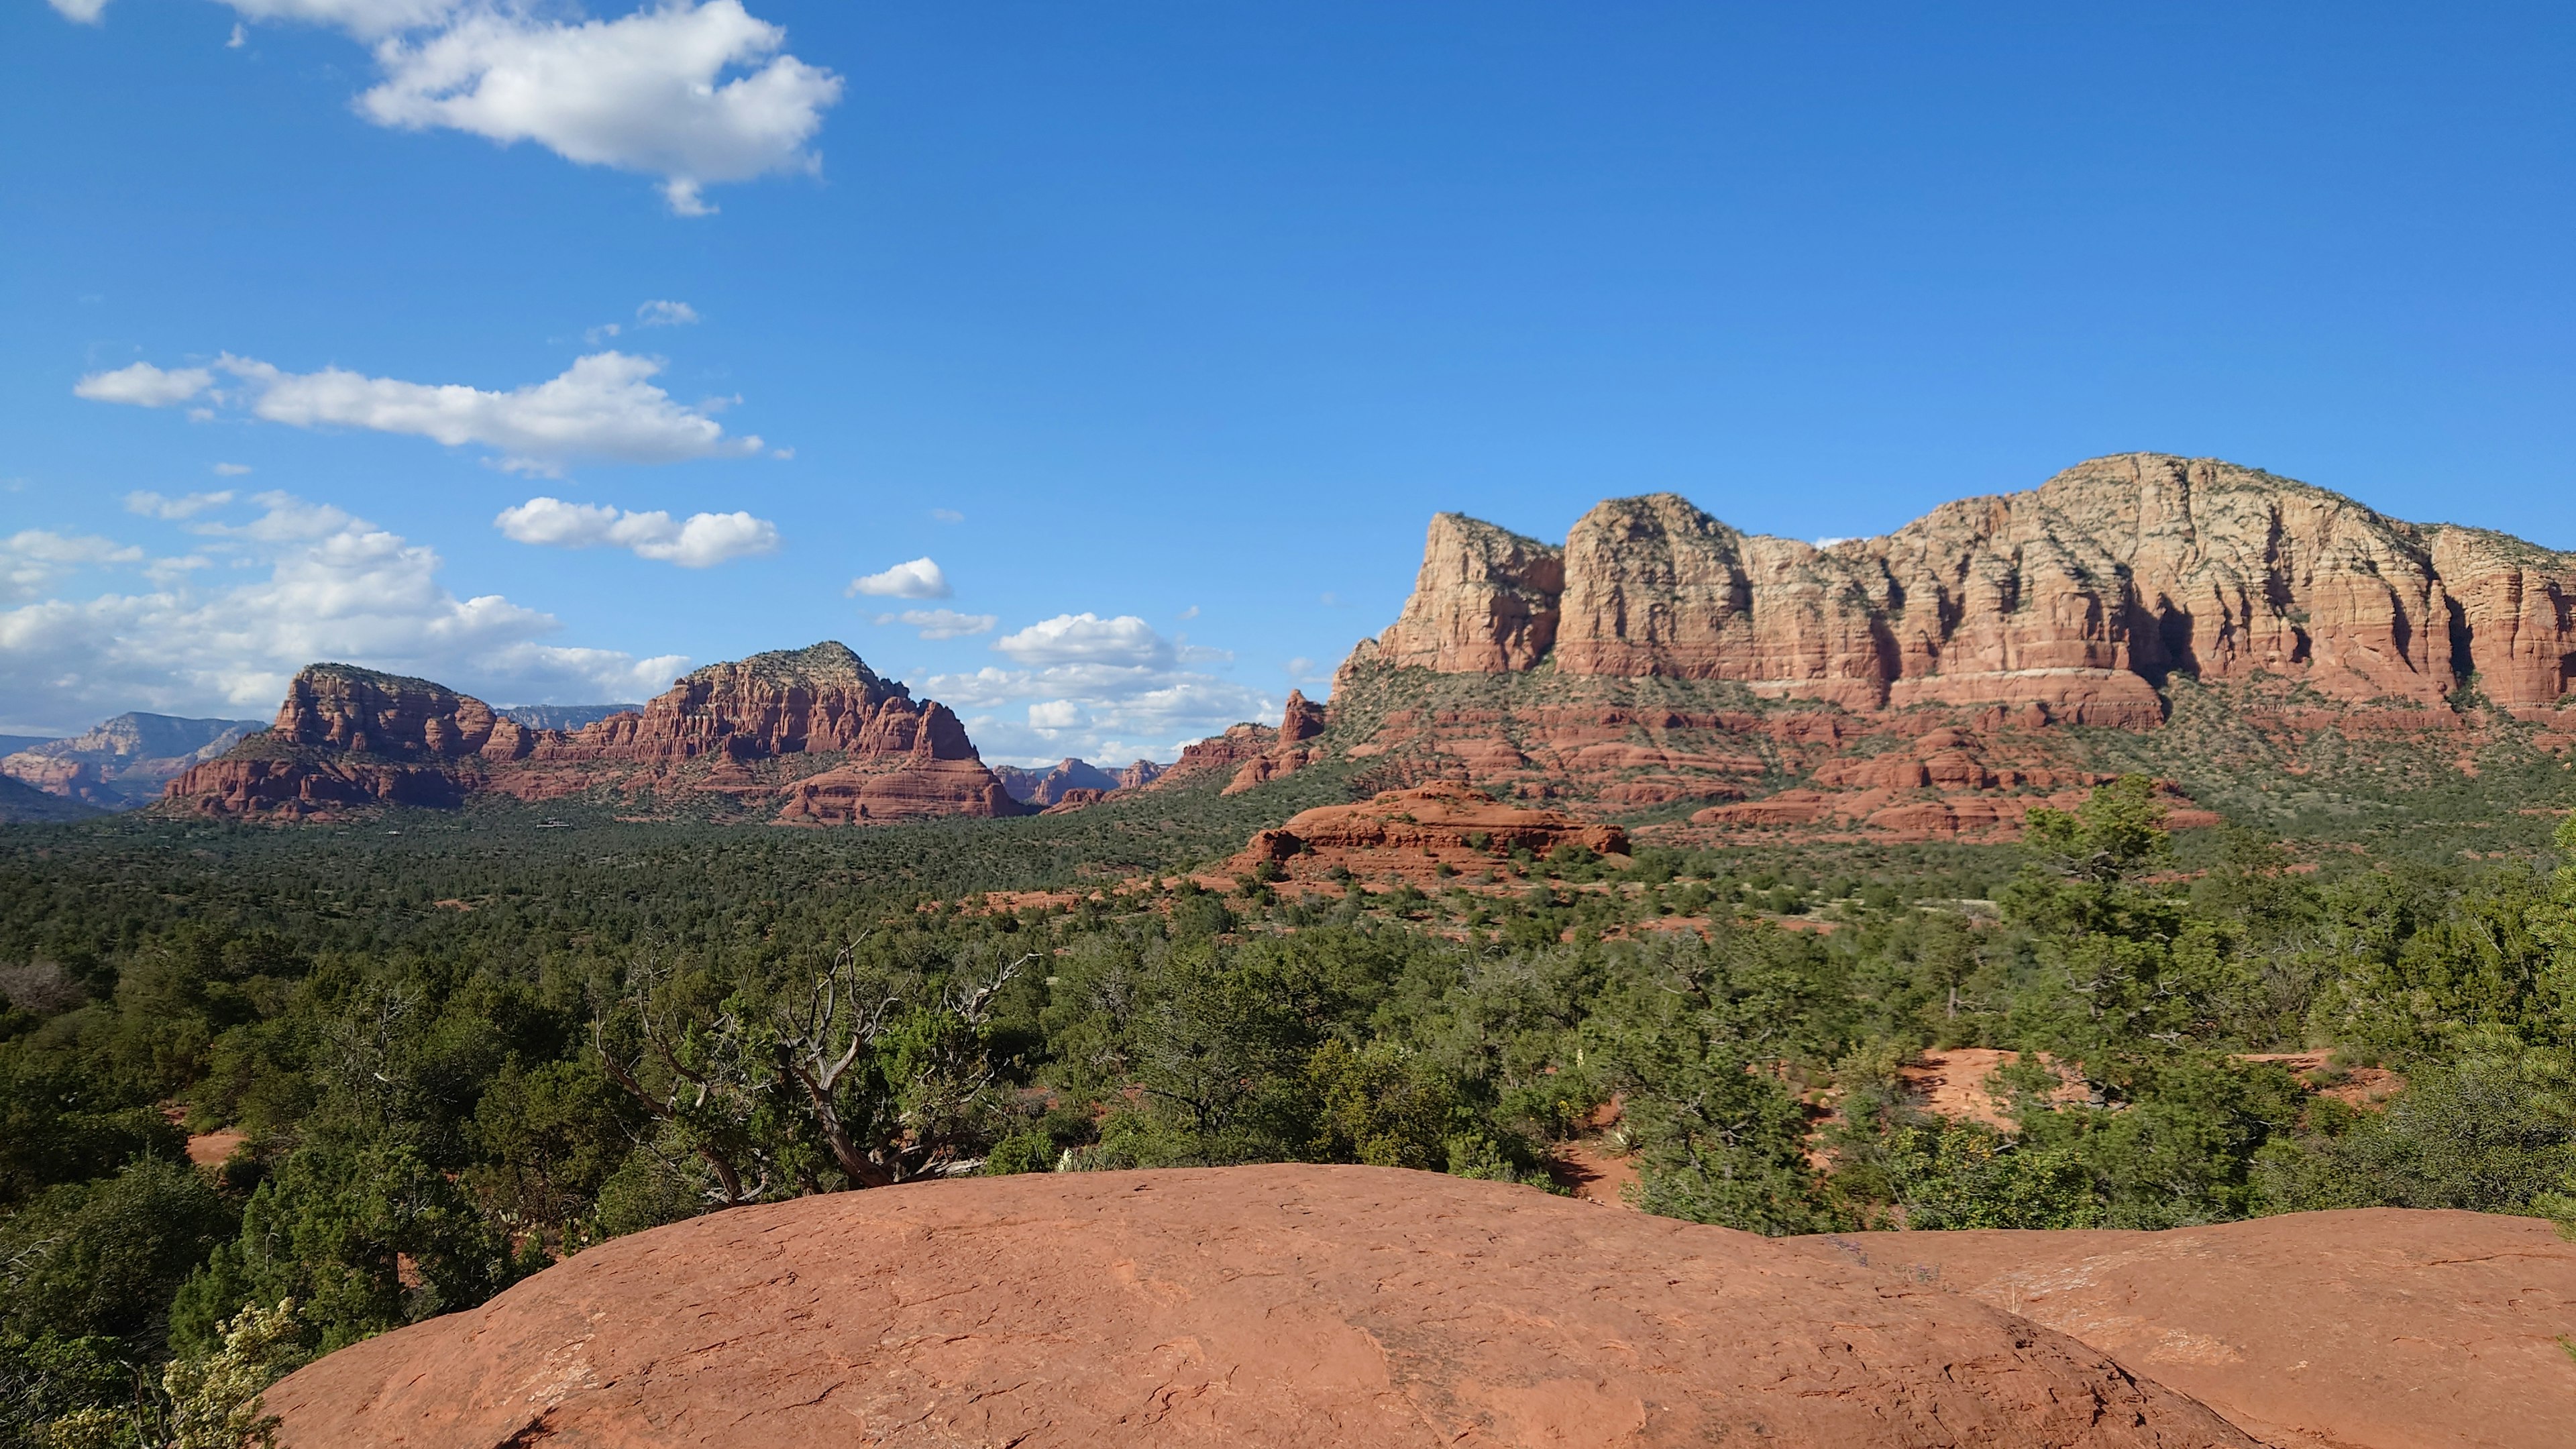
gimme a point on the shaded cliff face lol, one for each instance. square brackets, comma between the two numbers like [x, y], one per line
[2078, 597]
[814, 729]
[124, 762]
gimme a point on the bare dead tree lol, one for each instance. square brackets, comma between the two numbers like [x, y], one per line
[835, 1011]
[836, 1028]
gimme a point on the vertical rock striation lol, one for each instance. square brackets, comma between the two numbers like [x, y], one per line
[2077, 598]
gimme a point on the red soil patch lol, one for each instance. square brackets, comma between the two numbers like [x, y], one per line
[213, 1149]
[2374, 1329]
[2364, 1087]
[1284, 1305]
[1954, 1084]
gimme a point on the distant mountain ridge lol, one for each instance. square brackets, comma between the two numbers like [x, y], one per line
[805, 736]
[1047, 787]
[566, 716]
[125, 762]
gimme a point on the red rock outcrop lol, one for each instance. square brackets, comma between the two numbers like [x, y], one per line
[1252, 1306]
[814, 729]
[2077, 597]
[1413, 832]
[2371, 1329]
[1485, 601]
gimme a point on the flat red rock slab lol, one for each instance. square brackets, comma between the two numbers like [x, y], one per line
[2373, 1329]
[1278, 1305]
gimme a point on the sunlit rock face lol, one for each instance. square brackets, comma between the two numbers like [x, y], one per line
[2078, 597]
[813, 729]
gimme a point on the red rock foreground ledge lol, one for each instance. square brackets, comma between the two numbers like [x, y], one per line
[1244, 1306]
[2371, 1329]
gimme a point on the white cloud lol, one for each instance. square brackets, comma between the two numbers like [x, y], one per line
[946, 515]
[942, 623]
[86, 12]
[365, 19]
[1087, 638]
[144, 385]
[187, 505]
[31, 560]
[705, 540]
[1105, 689]
[238, 39]
[335, 587]
[231, 470]
[918, 579]
[666, 314]
[646, 92]
[603, 406]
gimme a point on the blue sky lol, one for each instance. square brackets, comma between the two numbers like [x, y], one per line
[1181, 317]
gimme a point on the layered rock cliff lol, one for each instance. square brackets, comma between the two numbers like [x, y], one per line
[124, 762]
[812, 733]
[2078, 597]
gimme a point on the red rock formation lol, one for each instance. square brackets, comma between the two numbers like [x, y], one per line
[1287, 750]
[1412, 832]
[1227, 752]
[1485, 601]
[2517, 606]
[2076, 597]
[1302, 720]
[835, 743]
[2375, 1329]
[1251, 1306]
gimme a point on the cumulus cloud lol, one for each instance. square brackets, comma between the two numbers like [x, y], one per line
[918, 579]
[694, 94]
[31, 560]
[186, 505]
[603, 406]
[705, 540]
[1088, 639]
[1107, 689]
[334, 587]
[144, 385]
[666, 314]
[231, 470]
[85, 12]
[942, 623]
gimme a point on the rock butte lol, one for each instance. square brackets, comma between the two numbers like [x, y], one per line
[814, 730]
[1283, 1305]
[2077, 596]
[1421, 828]
[2372, 1329]
[1914, 686]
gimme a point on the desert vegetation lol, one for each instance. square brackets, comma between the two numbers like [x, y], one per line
[445, 1050]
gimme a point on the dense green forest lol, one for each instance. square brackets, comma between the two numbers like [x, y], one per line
[457, 1047]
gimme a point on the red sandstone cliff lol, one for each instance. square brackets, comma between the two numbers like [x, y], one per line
[813, 729]
[2078, 596]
